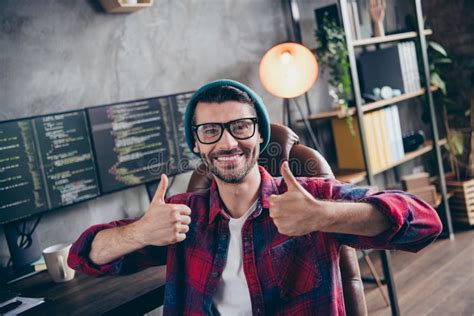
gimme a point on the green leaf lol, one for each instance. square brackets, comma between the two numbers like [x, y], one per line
[442, 61]
[437, 47]
[450, 106]
[449, 103]
[456, 139]
[437, 81]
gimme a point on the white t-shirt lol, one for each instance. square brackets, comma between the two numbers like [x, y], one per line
[232, 296]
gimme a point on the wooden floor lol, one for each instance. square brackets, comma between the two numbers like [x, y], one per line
[439, 280]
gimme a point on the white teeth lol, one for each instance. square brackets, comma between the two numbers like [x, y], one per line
[228, 158]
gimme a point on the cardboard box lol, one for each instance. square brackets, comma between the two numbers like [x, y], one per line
[416, 181]
[427, 194]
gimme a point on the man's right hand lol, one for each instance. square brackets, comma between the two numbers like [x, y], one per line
[163, 224]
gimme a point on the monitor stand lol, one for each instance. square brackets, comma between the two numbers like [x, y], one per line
[24, 248]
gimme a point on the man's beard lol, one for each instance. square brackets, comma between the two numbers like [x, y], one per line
[232, 175]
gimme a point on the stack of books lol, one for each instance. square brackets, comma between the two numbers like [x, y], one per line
[395, 66]
[384, 140]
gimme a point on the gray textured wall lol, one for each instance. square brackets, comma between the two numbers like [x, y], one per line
[64, 55]
[58, 55]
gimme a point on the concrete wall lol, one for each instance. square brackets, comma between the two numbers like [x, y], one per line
[66, 55]
[58, 55]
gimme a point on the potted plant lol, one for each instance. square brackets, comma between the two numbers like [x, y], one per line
[333, 56]
[455, 100]
[457, 106]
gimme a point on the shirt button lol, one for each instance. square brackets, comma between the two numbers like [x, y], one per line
[215, 274]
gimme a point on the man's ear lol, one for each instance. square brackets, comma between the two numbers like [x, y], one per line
[196, 147]
[260, 138]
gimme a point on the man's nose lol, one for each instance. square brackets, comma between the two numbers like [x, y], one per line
[227, 141]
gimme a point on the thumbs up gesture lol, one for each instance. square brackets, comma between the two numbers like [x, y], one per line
[163, 224]
[295, 212]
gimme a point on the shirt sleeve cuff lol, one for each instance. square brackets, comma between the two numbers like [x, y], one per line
[78, 258]
[387, 237]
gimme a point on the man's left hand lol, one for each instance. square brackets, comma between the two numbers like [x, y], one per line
[296, 212]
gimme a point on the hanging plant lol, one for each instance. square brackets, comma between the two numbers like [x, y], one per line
[333, 56]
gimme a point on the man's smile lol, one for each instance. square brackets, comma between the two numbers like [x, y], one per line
[229, 158]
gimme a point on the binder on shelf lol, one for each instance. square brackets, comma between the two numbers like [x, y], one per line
[370, 136]
[404, 63]
[379, 140]
[348, 146]
[391, 137]
[398, 132]
[409, 70]
[394, 66]
[381, 67]
[383, 135]
[415, 69]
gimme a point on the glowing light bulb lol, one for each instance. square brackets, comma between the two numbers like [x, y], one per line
[288, 70]
[285, 57]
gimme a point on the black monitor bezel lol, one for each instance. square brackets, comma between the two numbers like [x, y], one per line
[93, 144]
[27, 214]
[31, 213]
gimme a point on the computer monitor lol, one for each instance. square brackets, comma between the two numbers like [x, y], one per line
[51, 161]
[135, 142]
[46, 162]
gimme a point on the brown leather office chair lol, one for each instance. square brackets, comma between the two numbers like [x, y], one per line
[284, 145]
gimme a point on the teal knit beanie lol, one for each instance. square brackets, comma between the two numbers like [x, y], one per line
[262, 114]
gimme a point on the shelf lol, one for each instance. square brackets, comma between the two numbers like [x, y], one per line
[388, 38]
[350, 176]
[119, 6]
[368, 107]
[356, 176]
[381, 103]
[428, 146]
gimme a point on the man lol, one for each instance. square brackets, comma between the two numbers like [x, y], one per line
[252, 244]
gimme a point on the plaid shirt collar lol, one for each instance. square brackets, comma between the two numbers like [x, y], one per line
[267, 188]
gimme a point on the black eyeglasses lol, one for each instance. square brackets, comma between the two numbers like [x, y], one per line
[210, 133]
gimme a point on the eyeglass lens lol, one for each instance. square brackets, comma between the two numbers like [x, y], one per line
[212, 132]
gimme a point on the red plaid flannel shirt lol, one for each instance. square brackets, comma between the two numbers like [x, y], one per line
[285, 275]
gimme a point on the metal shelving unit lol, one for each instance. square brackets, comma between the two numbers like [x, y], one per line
[357, 176]
[360, 108]
[368, 106]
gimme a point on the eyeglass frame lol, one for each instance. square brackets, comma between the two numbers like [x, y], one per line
[225, 126]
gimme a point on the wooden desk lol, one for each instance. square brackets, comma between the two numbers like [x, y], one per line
[132, 294]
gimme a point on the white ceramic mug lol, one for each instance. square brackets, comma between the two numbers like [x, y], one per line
[56, 261]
